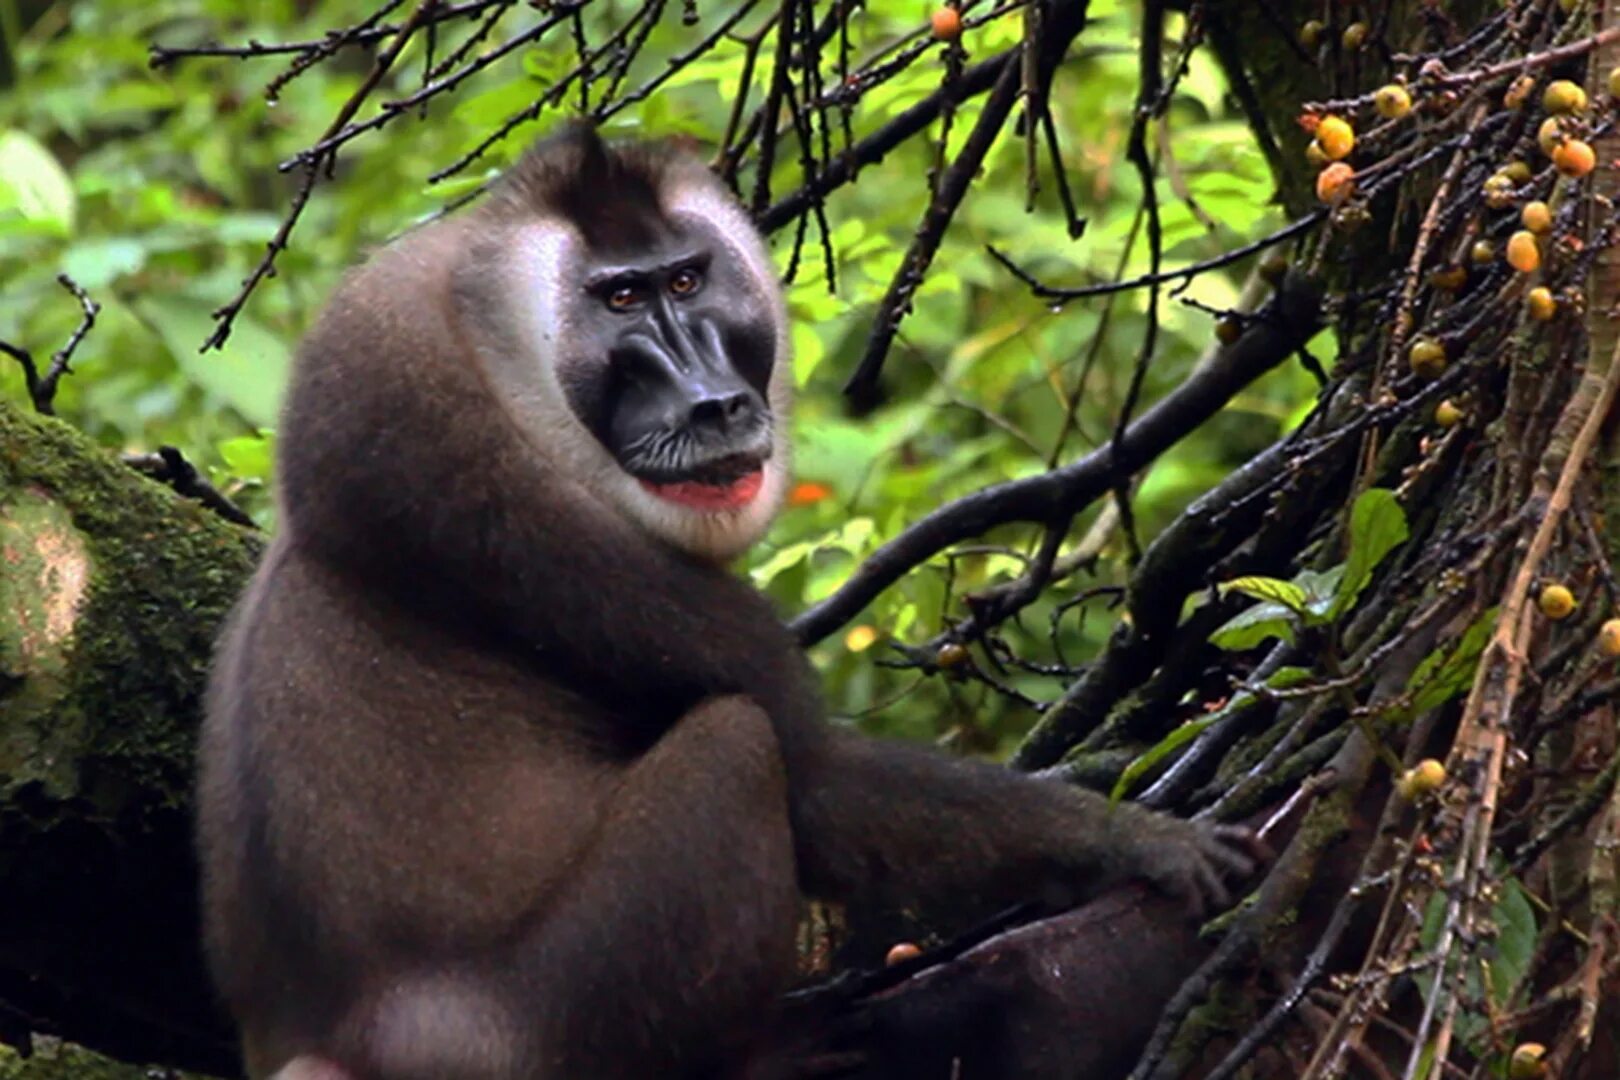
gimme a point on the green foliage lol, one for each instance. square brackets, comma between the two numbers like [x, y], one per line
[1504, 957]
[1285, 676]
[1316, 597]
[158, 190]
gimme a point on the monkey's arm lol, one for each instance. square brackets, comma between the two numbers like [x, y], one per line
[901, 823]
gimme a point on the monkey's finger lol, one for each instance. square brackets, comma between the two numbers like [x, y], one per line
[1212, 889]
[1239, 851]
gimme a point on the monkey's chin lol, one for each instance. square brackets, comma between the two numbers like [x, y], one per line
[711, 498]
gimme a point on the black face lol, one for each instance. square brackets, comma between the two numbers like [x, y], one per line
[676, 357]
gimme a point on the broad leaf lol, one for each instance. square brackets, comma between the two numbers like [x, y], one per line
[1377, 526]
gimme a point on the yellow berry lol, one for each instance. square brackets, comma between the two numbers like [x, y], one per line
[1336, 183]
[1563, 97]
[1614, 82]
[1551, 134]
[1575, 158]
[1527, 1062]
[1355, 35]
[1310, 34]
[1273, 268]
[951, 655]
[1499, 191]
[1609, 638]
[1336, 137]
[1537, 217]
[1392, 101]
[946, 24]
[1427, 357]
[860, 638]
[1522, 253]
[1451, 277]
[1482, 252]
[1314, 156]
[1540, 303]
[1447, 415]
[1421, 779]
[1516, 171]
[1556, 601]
[1228, 330]
[1519, 91]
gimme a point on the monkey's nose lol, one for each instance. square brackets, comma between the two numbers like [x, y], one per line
[722, 412]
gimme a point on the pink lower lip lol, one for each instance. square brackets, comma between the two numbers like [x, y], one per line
[733, 496]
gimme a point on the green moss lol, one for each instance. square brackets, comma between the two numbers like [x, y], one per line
[113, 714]
[56, 1060]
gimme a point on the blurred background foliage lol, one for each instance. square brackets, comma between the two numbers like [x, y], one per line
[157, 190]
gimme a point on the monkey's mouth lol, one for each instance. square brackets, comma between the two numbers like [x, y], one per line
[730, 483]
[711, 497]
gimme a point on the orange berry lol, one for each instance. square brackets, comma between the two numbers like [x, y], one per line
[1519, 91]
[946, 23]
[1336, 183]
[1575, 158]
[808, 493]
[1522, 253]
[900, 953]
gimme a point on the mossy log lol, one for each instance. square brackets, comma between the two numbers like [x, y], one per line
[112, 590]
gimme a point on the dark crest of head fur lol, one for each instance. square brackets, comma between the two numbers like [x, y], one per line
[610, 192]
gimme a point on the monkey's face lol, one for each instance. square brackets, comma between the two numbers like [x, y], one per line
[662, 344]
[671, 369]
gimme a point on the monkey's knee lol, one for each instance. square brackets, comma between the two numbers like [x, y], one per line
[436, 1027]
[309, 1067]
[732, 738]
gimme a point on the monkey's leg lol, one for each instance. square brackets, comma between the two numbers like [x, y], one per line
[688, 899]
[657, 955]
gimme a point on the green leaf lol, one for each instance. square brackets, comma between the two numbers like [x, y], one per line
[1447, 672]
[1287, 675]
[1377, 526]
[33, 184]
[1515, 920]
[1321, 586]
[248, 374]
[1149, 758]
[1508, 955]
[1286, 593]
[1249, 628]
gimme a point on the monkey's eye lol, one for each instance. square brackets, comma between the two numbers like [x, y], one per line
[624, 297]
[686, 281]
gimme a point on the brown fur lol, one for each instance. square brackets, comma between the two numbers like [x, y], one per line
[498, 785]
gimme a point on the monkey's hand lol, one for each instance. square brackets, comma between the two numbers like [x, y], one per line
[1195, 861]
